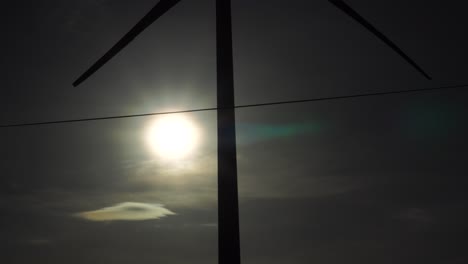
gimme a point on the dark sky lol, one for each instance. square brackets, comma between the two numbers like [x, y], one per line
[364, 180]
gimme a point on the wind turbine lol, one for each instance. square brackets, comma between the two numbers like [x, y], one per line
[228, 208]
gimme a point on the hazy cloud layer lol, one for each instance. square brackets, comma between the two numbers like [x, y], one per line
[128, 211]
[38, 242]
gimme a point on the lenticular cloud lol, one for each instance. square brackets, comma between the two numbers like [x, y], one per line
[128, 211]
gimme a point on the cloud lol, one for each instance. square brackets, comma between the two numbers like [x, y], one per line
[38, 242]
[416, 215]
[253, 133]
[128, 211]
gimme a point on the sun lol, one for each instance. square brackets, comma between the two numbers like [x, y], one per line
[173, 136]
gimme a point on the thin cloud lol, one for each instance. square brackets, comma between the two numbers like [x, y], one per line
[416, 215]
[38, 242]
[128, 211]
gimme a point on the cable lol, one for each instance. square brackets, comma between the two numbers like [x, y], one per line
[237, 107]
[355, 96]
[107, 118]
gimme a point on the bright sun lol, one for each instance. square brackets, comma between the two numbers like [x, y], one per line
[173, 136]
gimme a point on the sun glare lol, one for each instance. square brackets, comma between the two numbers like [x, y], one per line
[173, 136]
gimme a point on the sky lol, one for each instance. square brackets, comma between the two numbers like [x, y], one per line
[368, 180]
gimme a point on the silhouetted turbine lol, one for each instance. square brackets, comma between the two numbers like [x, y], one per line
[228, 209]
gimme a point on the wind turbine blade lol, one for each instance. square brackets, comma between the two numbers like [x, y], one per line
[156, 12]
[352, 13]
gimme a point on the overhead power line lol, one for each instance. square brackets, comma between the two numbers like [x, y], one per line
[237, 107]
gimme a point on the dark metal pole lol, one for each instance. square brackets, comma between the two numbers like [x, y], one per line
[228, 208]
